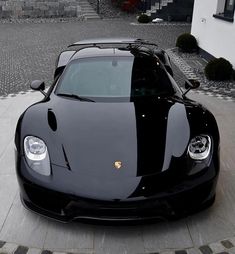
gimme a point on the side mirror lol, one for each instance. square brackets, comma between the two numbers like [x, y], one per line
[38, 85]
[191, 84]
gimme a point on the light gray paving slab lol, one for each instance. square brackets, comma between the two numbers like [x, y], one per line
[117, 240]
[8, 248]
[7, 160]
[218, 222]
[18, 104]
[70, 237]
[215, 223]
[193, 251]
[24, 227]
[232, 250]
[168, 252]
[8, 119]
[167, 235]
[232, 240]
[217, 247]
[4, 104]
[34, 251]
[6, 133]
[8, 189]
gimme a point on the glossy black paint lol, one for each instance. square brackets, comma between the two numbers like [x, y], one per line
[84, 139]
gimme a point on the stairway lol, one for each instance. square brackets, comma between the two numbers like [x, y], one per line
[87, 10]
[178, 10]
[157, 6]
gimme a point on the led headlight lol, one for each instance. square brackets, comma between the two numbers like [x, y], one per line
[199, 147]
[37, 156]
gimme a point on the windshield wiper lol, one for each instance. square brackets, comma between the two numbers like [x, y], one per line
[80, 98]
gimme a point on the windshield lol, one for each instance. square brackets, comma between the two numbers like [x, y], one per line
[115, 78]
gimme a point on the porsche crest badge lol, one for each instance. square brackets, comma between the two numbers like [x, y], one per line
[117, 164]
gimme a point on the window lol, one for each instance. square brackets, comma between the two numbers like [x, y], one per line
[225, 10]
[115, 78]
[229, 8]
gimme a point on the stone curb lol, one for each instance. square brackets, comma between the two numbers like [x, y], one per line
[226, 246]
[189, 73]
[161, 24]
[12, 95]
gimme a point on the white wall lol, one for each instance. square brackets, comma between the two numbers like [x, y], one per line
[215, 36]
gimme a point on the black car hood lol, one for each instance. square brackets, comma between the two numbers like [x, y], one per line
[93, 136]
[86, 139]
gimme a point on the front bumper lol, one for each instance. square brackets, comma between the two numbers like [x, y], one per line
[191, 194]
[68, 208]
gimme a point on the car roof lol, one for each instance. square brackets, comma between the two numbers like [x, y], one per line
[100, 52]
[109, 47]
[105, 41]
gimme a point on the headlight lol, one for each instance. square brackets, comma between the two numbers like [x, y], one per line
[199, 147]
[37, 155]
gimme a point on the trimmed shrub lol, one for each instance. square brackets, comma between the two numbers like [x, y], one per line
[143, 18]
[219, 69]
[187, 43]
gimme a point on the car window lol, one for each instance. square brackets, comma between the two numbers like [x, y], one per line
[114, 77]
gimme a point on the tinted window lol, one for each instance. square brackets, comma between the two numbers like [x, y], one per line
[115, 78]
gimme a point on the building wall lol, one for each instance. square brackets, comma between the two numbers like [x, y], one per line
[214, 35]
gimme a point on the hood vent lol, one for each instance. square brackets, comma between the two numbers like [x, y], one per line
[52, 120]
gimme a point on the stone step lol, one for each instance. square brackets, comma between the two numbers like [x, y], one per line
[91, 17]
[158, 6]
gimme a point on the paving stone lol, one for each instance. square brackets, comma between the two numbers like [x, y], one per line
[21, 250]
[227, 244]
[232, 240]
[187, 67]
[8, 248]
[47, 252]
[205, 249]
[216, 247]
[232, 250]
[2, 244]
[180, 252]
[193, 251]
[29, 48]
[34, 251]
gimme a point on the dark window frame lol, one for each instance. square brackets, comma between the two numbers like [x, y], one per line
[227, 15]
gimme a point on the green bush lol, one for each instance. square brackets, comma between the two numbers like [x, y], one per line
[143, 18]
[187, 43]
[219, 69]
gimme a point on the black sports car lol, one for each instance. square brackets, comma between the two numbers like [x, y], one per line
[115, 138]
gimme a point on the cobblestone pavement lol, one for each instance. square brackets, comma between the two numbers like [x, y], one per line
[29, 50]
[192, 66]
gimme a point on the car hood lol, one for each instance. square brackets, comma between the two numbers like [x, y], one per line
[86, 139]
[91, 137]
